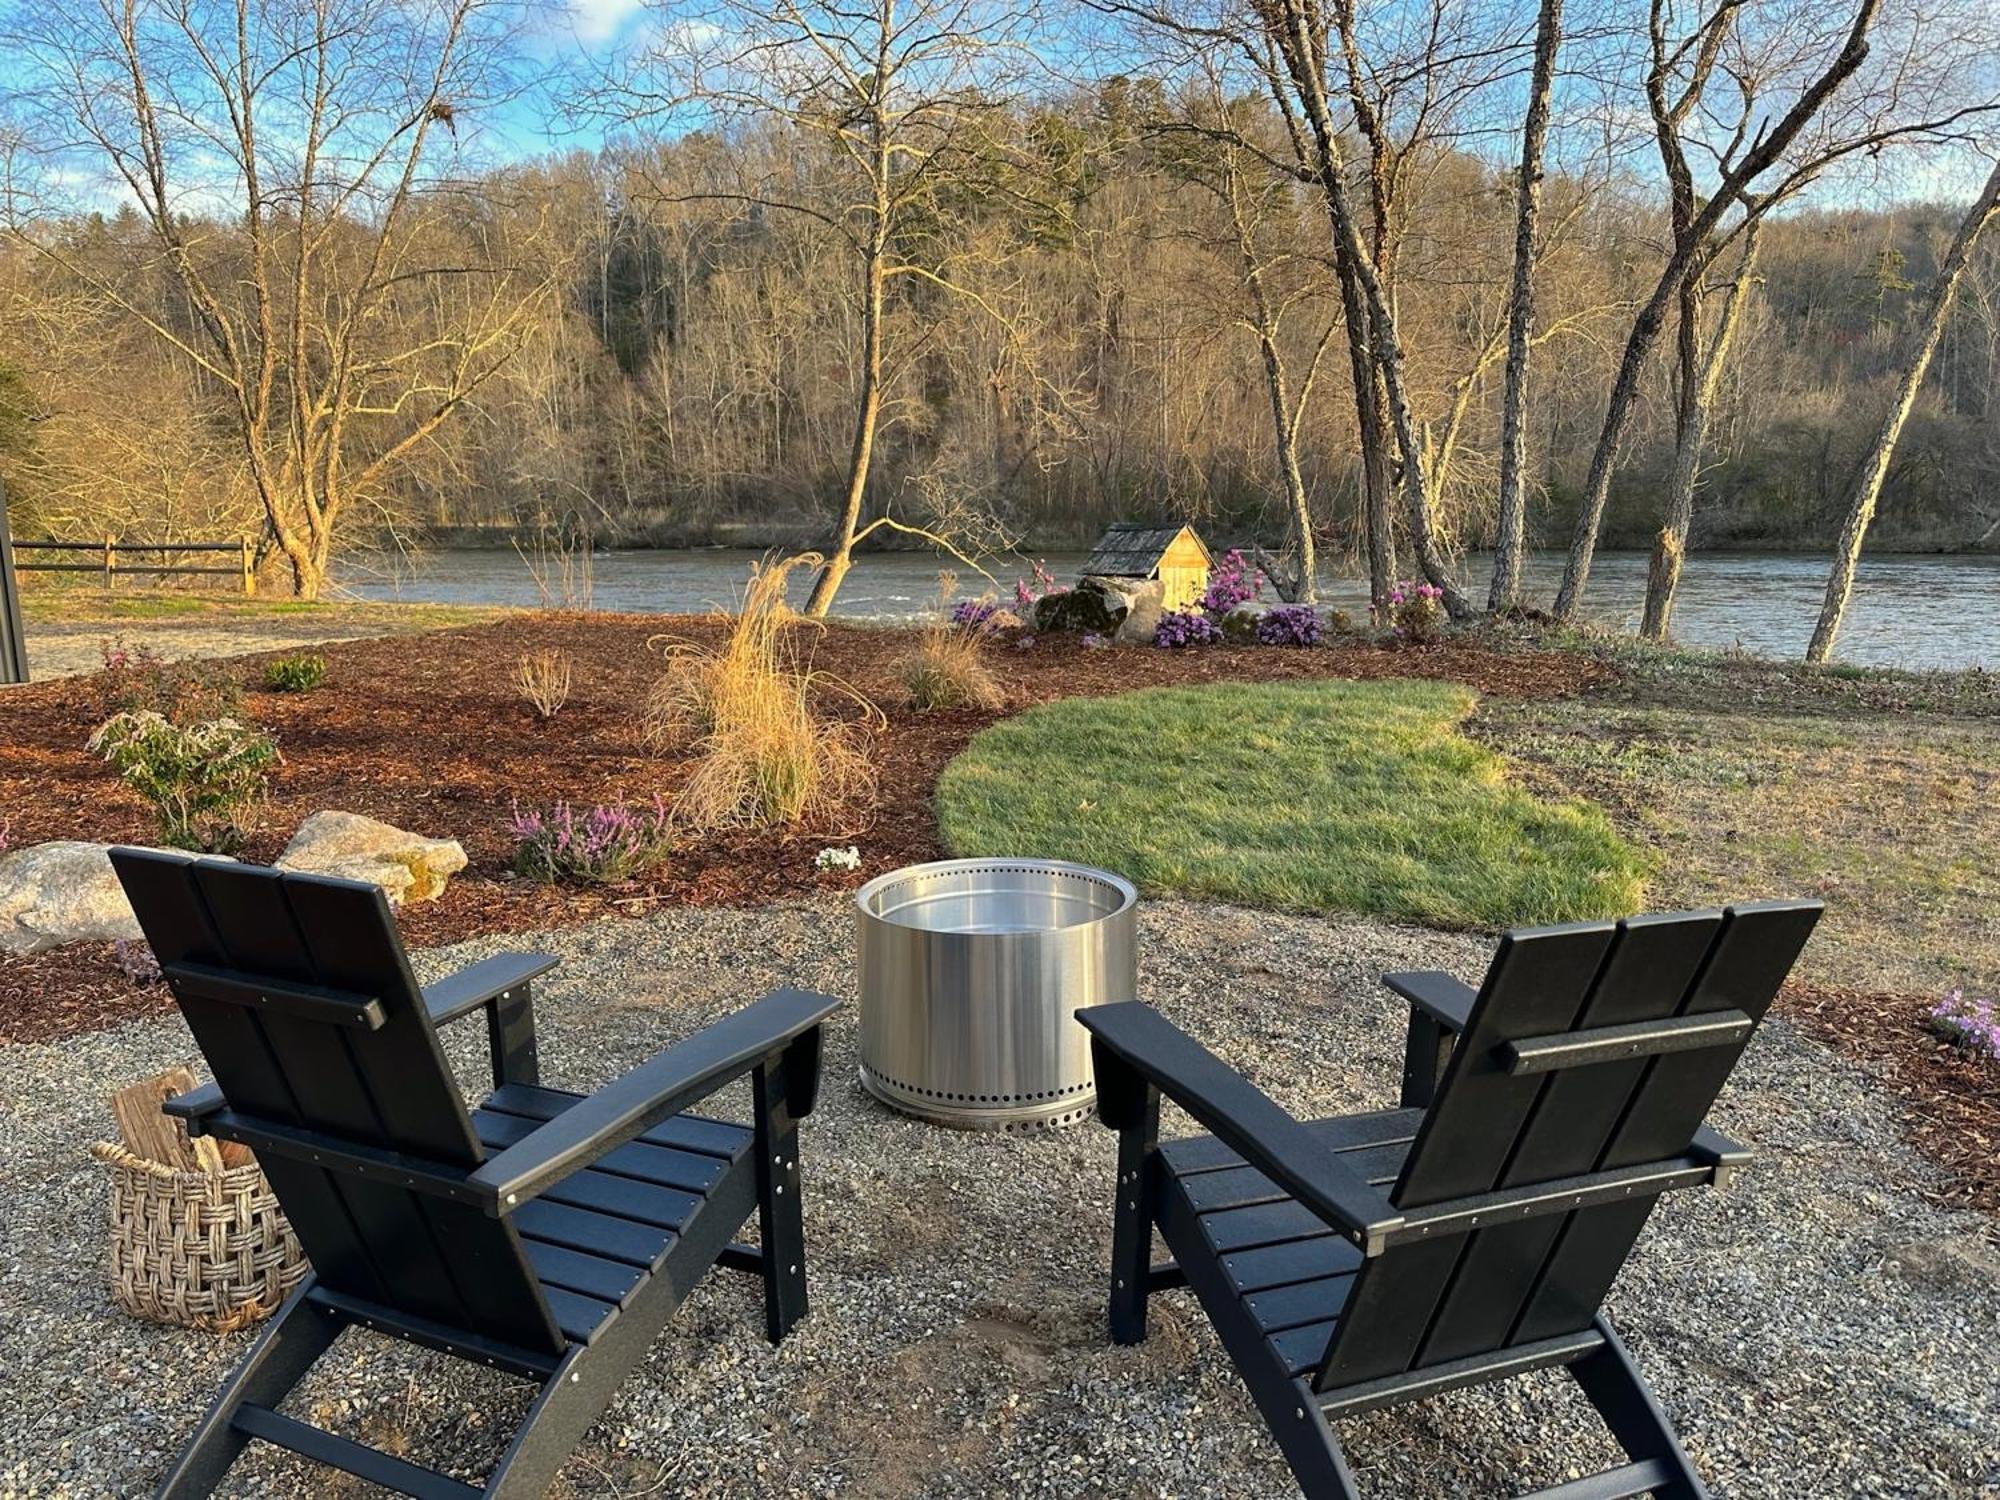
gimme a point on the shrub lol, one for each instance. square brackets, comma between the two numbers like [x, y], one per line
[202, 779]
[764, 752]
[135, 680]
[1186, 627]
[542, 679]
[1341, 622]
[1971, 1024]
[948, 668]
[1030, 592]
[136, 962]
[975, 614]
[1289, 625]
[608, 843]
[1417, 612]
[1230, 583]
[295, 674]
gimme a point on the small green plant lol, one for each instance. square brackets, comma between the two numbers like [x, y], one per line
[203, 780]
[295, 674]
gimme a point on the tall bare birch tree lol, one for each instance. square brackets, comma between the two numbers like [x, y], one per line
[902, 103]
[1511, 527]
[1866, 490]
[286, 157]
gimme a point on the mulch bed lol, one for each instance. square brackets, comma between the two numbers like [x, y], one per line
[1952, 1094]
[429, 733]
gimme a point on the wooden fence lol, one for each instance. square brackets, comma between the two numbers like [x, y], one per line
[107, 558]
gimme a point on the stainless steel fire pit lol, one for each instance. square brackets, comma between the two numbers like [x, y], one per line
[971, 970]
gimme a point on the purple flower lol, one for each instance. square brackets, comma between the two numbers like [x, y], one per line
[1179, 629]
[1971, 1024]
[1289, 625]
[1230, 583]
[608, 843]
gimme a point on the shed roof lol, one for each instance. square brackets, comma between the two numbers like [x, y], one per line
[1133, 549]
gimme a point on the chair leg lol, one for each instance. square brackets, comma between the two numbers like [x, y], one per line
[1132, 1222]
[298, 1335]
[1620, 1394]
[780, 1205]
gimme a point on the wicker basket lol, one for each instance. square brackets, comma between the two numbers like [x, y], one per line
[207, 1250]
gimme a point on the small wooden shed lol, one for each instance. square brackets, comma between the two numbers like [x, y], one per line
[1132, 551]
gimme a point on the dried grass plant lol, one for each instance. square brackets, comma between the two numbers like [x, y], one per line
[765, 753]
[542, 678]
[948, 668]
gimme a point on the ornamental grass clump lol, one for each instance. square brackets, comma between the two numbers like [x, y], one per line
[607, 844]
[204, 780]
[948, 668]
[542, 679]
[748, 713]
[1971, 1024]
[1289, 625]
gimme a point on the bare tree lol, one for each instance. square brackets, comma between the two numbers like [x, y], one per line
[343, 316]
[1834, 113]
[898, 101]
[1512, 527]
[1866, 489]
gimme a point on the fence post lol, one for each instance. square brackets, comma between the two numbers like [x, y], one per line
[249, 567]
[13, 648]
[110, 562]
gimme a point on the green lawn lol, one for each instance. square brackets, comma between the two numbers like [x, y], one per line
[1326, 796]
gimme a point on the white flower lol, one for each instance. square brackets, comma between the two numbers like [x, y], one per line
[838, 859]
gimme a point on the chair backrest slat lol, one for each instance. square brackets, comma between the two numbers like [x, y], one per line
[311, 1068]
[1494, 1127]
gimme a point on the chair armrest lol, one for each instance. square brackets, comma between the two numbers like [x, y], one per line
[473, 986]
[1720, 1152]
[650, 1093]
[195, 1106]
[1436, 994]
[1242, 1117]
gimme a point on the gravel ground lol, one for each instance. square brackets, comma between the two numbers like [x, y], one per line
[69, 649]
[1815, 1331]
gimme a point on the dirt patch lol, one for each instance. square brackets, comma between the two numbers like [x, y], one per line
[432, 736]
[1952, 1095]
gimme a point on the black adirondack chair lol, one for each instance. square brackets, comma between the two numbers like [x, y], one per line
[1357, 1262]
[546, 1234]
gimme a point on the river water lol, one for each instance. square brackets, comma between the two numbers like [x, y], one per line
[1910, 611]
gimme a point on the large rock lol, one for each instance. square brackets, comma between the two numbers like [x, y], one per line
[1240, 624]
[62, 892]
[1148, 599]
[1093, 604]
[408, 866]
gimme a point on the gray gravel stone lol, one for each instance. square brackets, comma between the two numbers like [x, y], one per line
[1818, 1330]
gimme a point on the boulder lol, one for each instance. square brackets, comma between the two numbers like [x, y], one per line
[1093, 604]
[62, 892]
[1240, 624]
[1148, 604]
[408, 866]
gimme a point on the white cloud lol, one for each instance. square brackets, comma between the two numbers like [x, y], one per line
[598, 21]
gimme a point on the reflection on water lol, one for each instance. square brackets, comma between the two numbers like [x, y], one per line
[1908, 611]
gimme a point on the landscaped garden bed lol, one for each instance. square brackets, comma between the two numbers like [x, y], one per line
[441, 741]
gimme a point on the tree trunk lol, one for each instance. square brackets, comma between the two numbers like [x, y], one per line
[840, 554]
[1376, 525]
[1867, 487]
[1506, 585]
[1699, 385]
[1300, 45]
